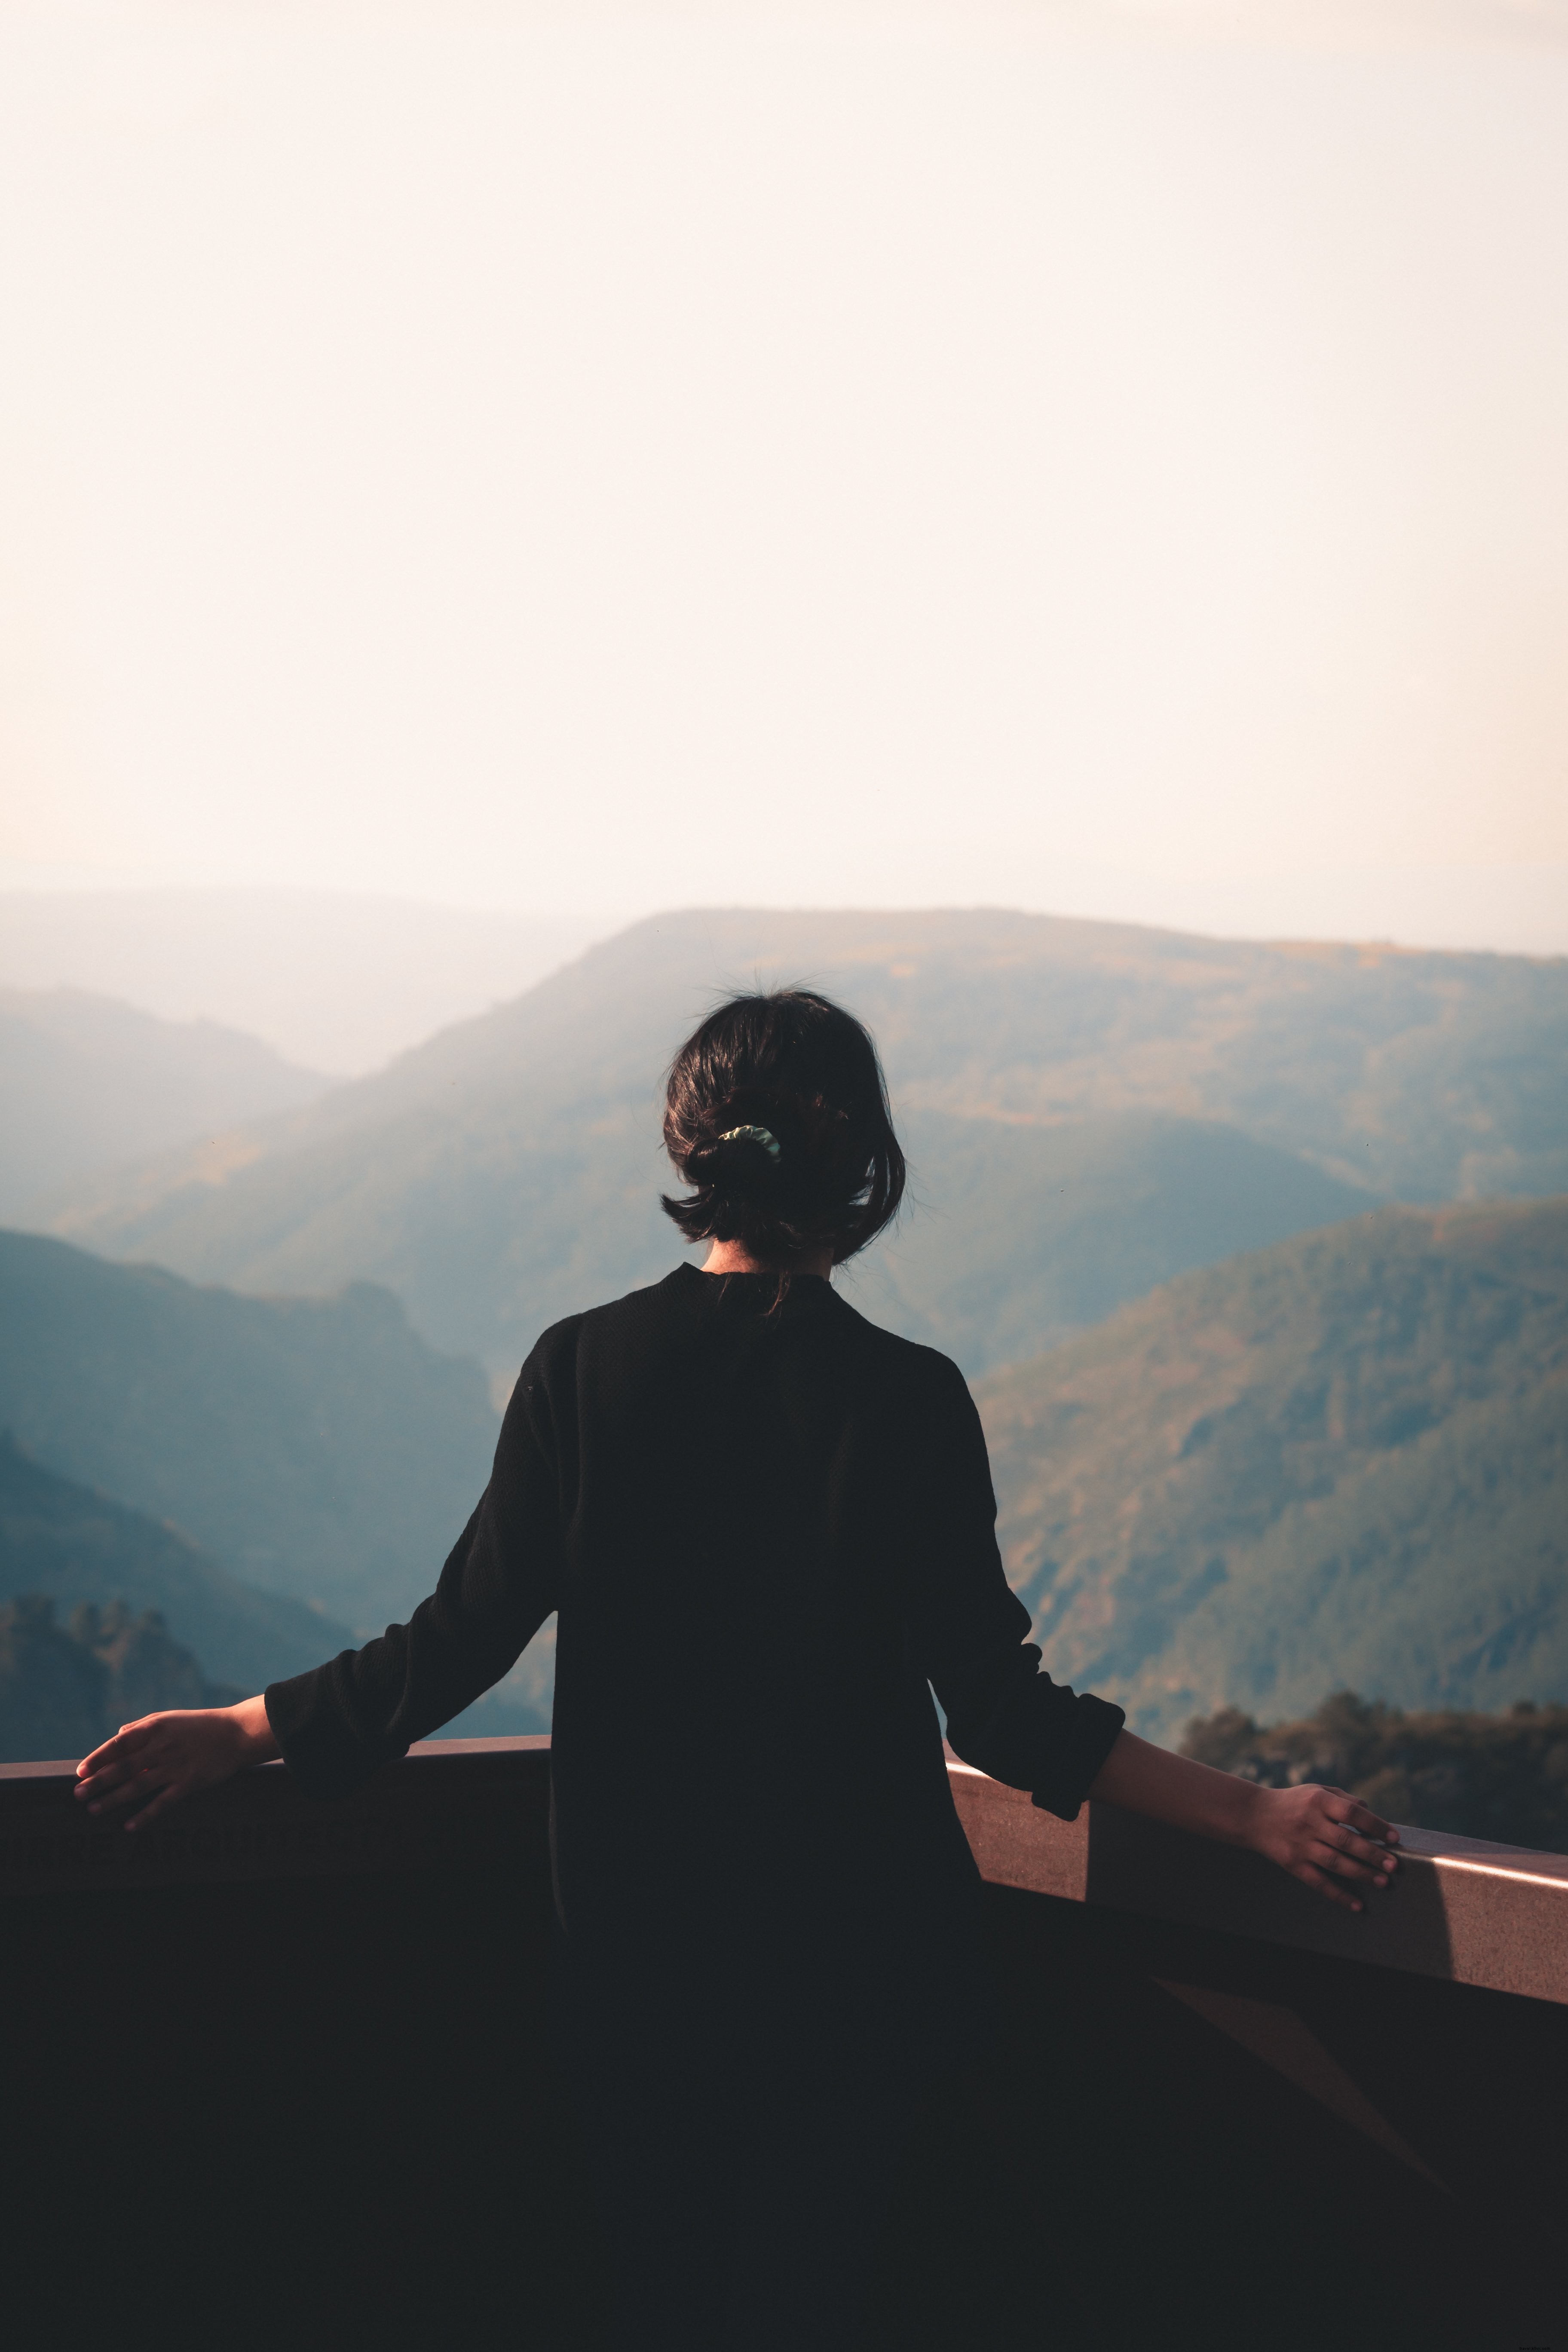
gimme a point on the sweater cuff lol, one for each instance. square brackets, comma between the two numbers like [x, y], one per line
[316, 1744]
[1097, 1723]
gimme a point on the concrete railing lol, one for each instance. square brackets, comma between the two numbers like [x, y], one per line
[450, 1802]
[1238, 2070]
[1458, 1910]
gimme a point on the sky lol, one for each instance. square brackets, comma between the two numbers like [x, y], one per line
[583, 458]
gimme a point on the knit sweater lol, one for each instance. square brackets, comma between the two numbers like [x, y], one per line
[768, 1527]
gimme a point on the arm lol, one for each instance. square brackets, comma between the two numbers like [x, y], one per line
[969, 1632]
[336, 1725]
[1318, 1836]
[1012, 1722]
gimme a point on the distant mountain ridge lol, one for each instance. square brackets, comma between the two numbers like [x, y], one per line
[1022, 1234]
[333, 980]
[1340, 1461]
[507, 1172]
[316, 1447]
[88, 1083]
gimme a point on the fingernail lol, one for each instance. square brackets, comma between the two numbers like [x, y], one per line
[1355, 1906]
[1380, 1882]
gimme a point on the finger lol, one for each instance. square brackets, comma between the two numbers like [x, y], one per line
[1347, 1865]
[1344, 1839]
[169, 1795]
[1322, 1884]
[138, 1780]
[1361, 1817]
[1343, 1819]
[134, 1792]
[109, 1776]
[120, 1756]
[128, 1742]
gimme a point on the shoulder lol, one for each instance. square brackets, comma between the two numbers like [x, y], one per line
[921, 1371]
[557, 1350]
[544, 1401]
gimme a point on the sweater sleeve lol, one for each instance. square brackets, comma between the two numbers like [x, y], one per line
[337, 1723]
[1004, 1715]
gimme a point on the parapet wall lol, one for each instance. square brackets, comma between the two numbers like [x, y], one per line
[1460, 1911]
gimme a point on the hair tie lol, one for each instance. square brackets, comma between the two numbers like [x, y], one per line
[763, 1135]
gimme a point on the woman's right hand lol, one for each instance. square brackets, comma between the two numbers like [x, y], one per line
[1326, 1838]
[153, 1763]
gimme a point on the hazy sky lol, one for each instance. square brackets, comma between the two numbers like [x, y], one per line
[572, 456]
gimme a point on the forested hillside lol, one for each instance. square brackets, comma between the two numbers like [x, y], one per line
[1502, 1777]
[507, 1172]
[314, 1446]
[69, 1545]
[1342, 1460]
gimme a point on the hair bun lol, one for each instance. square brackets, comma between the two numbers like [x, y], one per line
[764, 1136]
[744, 1156]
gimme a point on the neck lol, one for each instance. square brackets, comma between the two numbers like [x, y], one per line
[734, 1257]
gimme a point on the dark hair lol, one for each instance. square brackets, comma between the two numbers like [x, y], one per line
[815, 1158]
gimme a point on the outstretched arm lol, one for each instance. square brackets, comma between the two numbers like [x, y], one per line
[337, 1723]
[1010, 1720]
[161, 1757]
[333, 1727]
[1326, 1839]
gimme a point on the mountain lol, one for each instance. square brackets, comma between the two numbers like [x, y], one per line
[67, 1544]
[507, 1172]
[315, 1447]
[88, 1082]
[63, 1689]
[1342, 1460]
[1020, 1234]
[338, 980]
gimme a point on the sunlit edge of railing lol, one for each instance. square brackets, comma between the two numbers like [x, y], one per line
[1460, 1910]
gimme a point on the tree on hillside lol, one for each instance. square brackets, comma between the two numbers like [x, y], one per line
[63, 1689]
[53, 1689]
[1501, 1777]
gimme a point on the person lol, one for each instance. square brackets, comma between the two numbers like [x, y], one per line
[767, 1527]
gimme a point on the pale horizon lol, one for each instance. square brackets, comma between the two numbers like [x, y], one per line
[342, 983]
[575, 461]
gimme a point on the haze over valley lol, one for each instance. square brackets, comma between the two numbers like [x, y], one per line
[89, 1083]
[335, 981]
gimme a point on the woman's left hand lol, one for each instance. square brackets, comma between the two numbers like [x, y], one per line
[151, 1764]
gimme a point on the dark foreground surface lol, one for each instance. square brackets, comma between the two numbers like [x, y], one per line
[305, 2108]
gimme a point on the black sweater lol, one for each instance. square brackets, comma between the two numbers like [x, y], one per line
[766, 1528]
